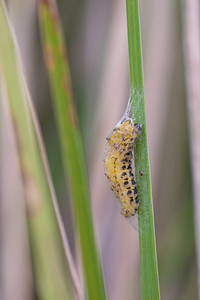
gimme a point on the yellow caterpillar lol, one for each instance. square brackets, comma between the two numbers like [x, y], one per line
[119, 165]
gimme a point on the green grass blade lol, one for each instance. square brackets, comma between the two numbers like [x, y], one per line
[72, 149]
[49, 262]
[148, 256]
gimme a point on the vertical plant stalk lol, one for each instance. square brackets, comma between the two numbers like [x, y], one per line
[50, 266]
[192, 65]
[148, 256]
[72, 149]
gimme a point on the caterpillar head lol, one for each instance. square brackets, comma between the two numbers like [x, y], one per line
[126, 212]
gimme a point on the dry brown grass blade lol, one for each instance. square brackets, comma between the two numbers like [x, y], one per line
[192, 65]
[15, 252]
[74, 274]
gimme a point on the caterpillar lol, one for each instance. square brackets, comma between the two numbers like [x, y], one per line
[119, 165]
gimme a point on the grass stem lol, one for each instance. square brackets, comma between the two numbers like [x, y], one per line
[148, 256]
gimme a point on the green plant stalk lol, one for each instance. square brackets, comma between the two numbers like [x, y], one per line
[71, 145]
[50, 267]
[148, 256]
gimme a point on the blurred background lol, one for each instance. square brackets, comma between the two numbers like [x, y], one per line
[96, 38]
